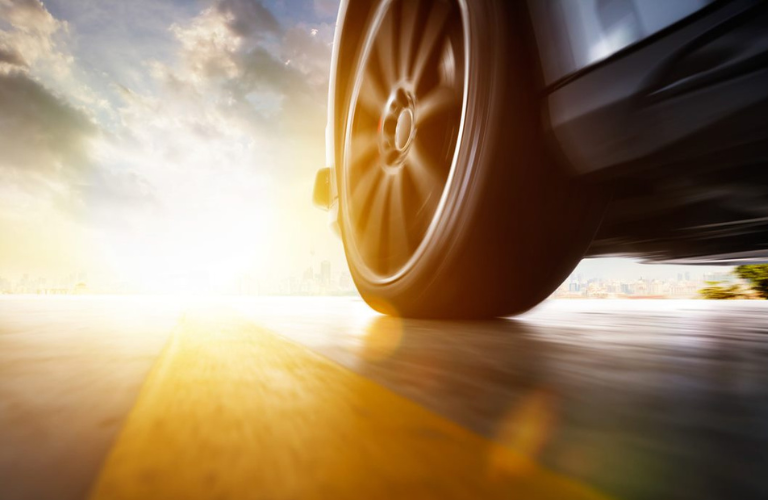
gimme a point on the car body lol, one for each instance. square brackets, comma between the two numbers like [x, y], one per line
[662, 104]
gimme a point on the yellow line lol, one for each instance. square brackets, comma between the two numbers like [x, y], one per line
[233, 412]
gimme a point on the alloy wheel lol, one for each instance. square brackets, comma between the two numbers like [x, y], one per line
[404, 124]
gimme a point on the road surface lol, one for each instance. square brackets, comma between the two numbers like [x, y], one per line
[292, 398]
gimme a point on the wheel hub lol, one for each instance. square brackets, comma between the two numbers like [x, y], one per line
[404, 129]
[398, 128]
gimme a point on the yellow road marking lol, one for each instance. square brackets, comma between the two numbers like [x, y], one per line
[232, 411]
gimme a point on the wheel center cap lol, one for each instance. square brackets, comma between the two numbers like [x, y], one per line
[404, 129]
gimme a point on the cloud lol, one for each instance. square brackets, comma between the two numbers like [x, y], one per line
[240, 68]
[326, 8]
[29, 16]
[248, 18]
[32, 37]
[40, 133]
[11, 57]
[48, 160]
[44, 139]
[207, 45]
[239, 42]
[308, 48]
[258, 70]
[47, 138]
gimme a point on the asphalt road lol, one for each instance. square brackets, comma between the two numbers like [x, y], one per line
[321, 398]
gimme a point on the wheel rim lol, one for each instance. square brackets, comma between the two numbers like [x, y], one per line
[405, 120]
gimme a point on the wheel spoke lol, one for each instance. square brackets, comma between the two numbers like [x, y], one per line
[371, 98]
[429, 39]
[439, 100]
[363, 189]
[374, 225]
[407, 27]
[385, 51]
[365, 145]
[398, 224]
[423, 172]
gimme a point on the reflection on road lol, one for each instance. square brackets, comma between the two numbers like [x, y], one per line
[657, 399]
[234, 411]
[577, 399]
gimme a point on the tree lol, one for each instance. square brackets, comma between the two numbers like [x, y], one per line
[757, 276]
[715, 291]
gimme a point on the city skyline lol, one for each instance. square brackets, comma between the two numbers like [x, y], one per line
[321, 277]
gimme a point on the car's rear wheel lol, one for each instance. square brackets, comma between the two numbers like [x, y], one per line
[451, 205]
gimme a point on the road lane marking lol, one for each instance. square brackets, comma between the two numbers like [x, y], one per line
[233, 411]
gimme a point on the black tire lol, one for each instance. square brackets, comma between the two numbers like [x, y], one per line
[507, 224]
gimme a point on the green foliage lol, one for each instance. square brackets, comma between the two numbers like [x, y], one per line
[757, 276]
[715, 291]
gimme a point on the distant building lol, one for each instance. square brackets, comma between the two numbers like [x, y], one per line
[325, 273]
[345, 281]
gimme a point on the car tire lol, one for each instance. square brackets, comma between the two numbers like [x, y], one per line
[452, 203]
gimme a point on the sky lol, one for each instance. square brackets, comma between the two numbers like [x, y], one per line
[144, 139]
[148, 138]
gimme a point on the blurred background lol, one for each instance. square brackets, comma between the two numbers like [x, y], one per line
[162, 146]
